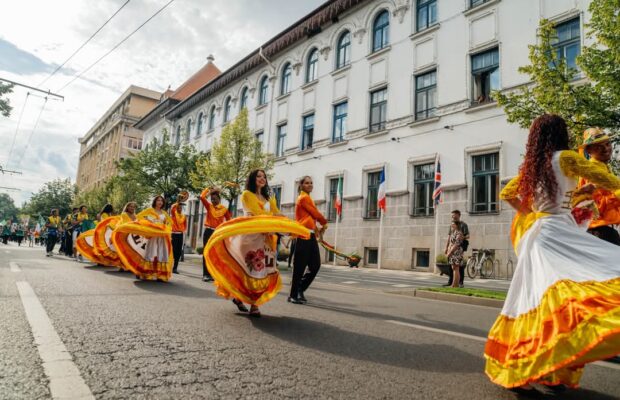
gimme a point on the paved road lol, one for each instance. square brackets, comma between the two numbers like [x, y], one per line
[149, 340]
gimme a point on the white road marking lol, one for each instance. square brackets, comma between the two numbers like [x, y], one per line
[65, 381]
[603, 364]
[401, 285]
[349, 282]
[14, 267]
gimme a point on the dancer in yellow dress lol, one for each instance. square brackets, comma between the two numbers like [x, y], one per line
[240, 254]
[102, 237]
[562, 310]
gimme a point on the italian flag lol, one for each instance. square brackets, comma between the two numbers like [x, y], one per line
[338, 203]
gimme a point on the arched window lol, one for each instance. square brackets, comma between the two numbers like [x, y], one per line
[381, 31]
[312, 69]
[244, 99]
[188, 130]
[262, 94]
[177, 137]
[227, 109]
[212, 118]
[343, 53]
[285, 80]
[199, 124]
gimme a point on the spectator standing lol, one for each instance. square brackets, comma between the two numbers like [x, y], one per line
[456, 217]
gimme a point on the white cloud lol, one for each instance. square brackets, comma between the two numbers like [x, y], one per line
[167, 51]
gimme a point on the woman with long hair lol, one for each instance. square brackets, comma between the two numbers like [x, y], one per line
[307, 253]
[106, 212]
[563, 306]
[240, 254]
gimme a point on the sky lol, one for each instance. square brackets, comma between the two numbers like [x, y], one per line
[36, 36]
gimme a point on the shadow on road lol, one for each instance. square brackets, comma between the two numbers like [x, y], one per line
[174, 288]
[330, 339]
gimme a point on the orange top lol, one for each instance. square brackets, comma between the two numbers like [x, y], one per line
[179, 220]
[216, 215]
[606, 201]
[306, 212]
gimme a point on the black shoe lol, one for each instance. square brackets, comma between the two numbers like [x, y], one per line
[302, 298]
[295, 300]
[240, 306]
[174, 271]
[447, 284]
[207, 279]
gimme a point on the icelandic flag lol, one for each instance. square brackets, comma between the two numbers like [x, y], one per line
[338, 204]
[381, 194]
[438, 190]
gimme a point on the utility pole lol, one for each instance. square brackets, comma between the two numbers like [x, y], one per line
[10, 188]
[47, 92]
[8, 171]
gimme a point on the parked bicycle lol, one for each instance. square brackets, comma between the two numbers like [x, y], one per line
[480, 263]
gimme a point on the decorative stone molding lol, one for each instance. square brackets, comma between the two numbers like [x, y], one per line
[324, 51]
[400, 11]
[297, 67]
[359, 34]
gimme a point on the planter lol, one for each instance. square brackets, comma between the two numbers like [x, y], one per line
[354, 262]
[445, 269]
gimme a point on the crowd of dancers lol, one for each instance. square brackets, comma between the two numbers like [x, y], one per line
[562, 310]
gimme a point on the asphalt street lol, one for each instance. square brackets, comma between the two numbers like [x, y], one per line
[126, 339]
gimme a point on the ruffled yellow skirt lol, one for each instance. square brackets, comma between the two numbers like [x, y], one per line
[85, 246]
[102, 241]
[240, 256]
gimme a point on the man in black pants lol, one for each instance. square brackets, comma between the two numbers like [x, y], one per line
[179, 225]
[456, 217]
[217, 214]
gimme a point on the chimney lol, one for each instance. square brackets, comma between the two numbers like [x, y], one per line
[210, 58]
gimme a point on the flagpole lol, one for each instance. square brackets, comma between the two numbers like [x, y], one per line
[339, 193]
[380, 239]
[436, 211]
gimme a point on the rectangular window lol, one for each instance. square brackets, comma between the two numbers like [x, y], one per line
[421, 258]
[340, 122]
[280, 140]
[333, 194]
[476, 3]
[425, 95]
[485, 75]
[378, 110]
[567, 45]
[423, 186]
[259, 136]
[330, 256]
[371, 256]
[277, 193]
[372, 192]
[485, 183]
[427, 14]
[307, 134]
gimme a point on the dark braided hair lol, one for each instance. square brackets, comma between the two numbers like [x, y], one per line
[548, 134]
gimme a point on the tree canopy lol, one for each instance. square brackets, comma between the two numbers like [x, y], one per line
[118, 191]
[585, 97]
[162, 168]
[233, 156]
[5, 105]
[8, 211]
[58, 193]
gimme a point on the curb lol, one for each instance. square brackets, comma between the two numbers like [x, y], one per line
[454, 298]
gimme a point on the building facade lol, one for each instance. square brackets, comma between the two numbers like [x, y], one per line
[113, 137]
[357, 87]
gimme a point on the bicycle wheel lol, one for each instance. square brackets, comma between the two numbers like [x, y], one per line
[487, 268]
[471, 267]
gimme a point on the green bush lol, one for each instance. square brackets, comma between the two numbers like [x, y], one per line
[199, 249]
[441, 259]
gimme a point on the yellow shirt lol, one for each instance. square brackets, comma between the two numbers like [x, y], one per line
[82, 216]
[254, 206]
[53, 221]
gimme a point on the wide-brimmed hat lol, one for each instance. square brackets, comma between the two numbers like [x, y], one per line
[594, 136]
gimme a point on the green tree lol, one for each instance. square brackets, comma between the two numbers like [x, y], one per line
[7, 207]
[586, 97]
[58, 193]
[162, 168]
[118, 191]
[5, 104]
[233, 157]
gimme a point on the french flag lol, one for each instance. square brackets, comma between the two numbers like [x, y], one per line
[381, 194]
[438, 189]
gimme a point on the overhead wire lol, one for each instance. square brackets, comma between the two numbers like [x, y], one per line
[115, 47]
[84, 44]
[19, 121]
[34, 128]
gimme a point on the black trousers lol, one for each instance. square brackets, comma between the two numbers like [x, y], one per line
[177, 248]
[306, 255]
[68, 243]
[291, 253]
[51, 242]
[607, 233]
[462, 273]
[206, 235]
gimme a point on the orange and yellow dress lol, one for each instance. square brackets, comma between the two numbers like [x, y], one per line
[240, 255]
[562, 310]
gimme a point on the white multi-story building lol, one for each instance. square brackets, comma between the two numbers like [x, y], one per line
[360, 86]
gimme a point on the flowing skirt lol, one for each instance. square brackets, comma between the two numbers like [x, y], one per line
[562, 309]
[102, 241]
[85, 245]
[144, 248]
[240, 256]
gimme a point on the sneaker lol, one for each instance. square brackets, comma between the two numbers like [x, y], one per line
[461, 285]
